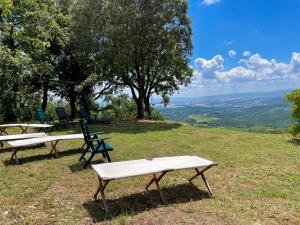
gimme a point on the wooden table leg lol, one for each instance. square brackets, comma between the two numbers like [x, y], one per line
[156, 181]
[14, 155]
[24, 130]
[101, 189]
[153, 179]
[3, 131]
[53, 148]
[201, 173]
[158, 188]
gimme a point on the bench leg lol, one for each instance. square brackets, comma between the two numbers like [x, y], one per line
[3, 131]
[101, 189]
[24, 130]
[1, 144]
[53, 149]
[156, 180]
[14, 155]
[201, 173]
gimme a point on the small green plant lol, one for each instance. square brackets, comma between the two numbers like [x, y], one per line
[294, 98]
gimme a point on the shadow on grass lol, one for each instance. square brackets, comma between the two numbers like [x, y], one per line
[140, 202]
[294, 141]
[134, 127]
[43, 157]
[77, 167]
[10, 149]
[130, 127]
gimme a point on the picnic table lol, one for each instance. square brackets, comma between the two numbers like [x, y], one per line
[23, 126]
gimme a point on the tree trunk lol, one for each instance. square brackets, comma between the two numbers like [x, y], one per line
[148, 107]
[45, 96]
[72, 97]
[84, 100]
[140, 108]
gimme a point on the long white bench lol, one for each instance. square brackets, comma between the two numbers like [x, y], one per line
[23, 126]
[33, 141]
[6, 138]
[117, 170]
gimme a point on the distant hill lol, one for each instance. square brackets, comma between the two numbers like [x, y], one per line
[248, 111]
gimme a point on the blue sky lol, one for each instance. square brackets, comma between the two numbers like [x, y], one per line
[244, 46]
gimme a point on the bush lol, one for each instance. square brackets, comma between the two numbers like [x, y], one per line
[294, 98]
[156, 114]
[120, 107]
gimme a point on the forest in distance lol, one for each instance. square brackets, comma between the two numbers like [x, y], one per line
[258, 112]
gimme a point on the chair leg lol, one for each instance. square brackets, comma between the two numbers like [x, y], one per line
[89, 160]
[83, 154]
[107, 156]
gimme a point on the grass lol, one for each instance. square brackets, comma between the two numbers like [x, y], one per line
[257, 180]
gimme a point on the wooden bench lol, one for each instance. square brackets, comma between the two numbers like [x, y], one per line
[158, 167]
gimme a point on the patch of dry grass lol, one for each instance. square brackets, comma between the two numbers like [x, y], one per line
[257, 180]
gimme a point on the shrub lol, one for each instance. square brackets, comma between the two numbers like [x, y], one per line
[294, 98]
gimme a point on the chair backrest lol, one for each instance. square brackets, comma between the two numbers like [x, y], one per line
[86, 133]
[41, 116]
[61, 113]
[84, 115]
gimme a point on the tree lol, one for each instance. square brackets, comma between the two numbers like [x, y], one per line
[294, 98]
[87, 46]
[149, 47]
[27, 28]
[143, 45]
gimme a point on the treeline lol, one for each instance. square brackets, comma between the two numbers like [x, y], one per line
[86, 50]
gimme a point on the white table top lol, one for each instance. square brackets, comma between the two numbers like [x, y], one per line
[25, 125]
[21, 136]
[40, 140]
[123, 169]
[13, 125]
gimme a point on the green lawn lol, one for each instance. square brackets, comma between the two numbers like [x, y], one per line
[257, 180]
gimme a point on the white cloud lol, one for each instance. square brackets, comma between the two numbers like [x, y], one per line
[207, 69]
[229, 42]
[246, 53]
[237, 74]
[254, 68]
[210, 2]
[231, 53]
[295, 62]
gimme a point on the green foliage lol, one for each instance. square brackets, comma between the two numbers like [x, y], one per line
[120, 107]
[27, 29]
[294, 98]
[156, 115]
[143, 45]
[52, 105]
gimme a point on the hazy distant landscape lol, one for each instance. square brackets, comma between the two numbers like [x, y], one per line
[264, 112]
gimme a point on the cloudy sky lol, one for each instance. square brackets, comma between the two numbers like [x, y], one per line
[244, 46]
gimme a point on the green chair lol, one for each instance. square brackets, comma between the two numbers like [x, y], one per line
[41, 116]
[63, 116]
[86, 116]
[94, 144]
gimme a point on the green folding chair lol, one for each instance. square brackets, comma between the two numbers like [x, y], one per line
[41, 116]
[94, 144]
[63, 116]
[86, 116]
